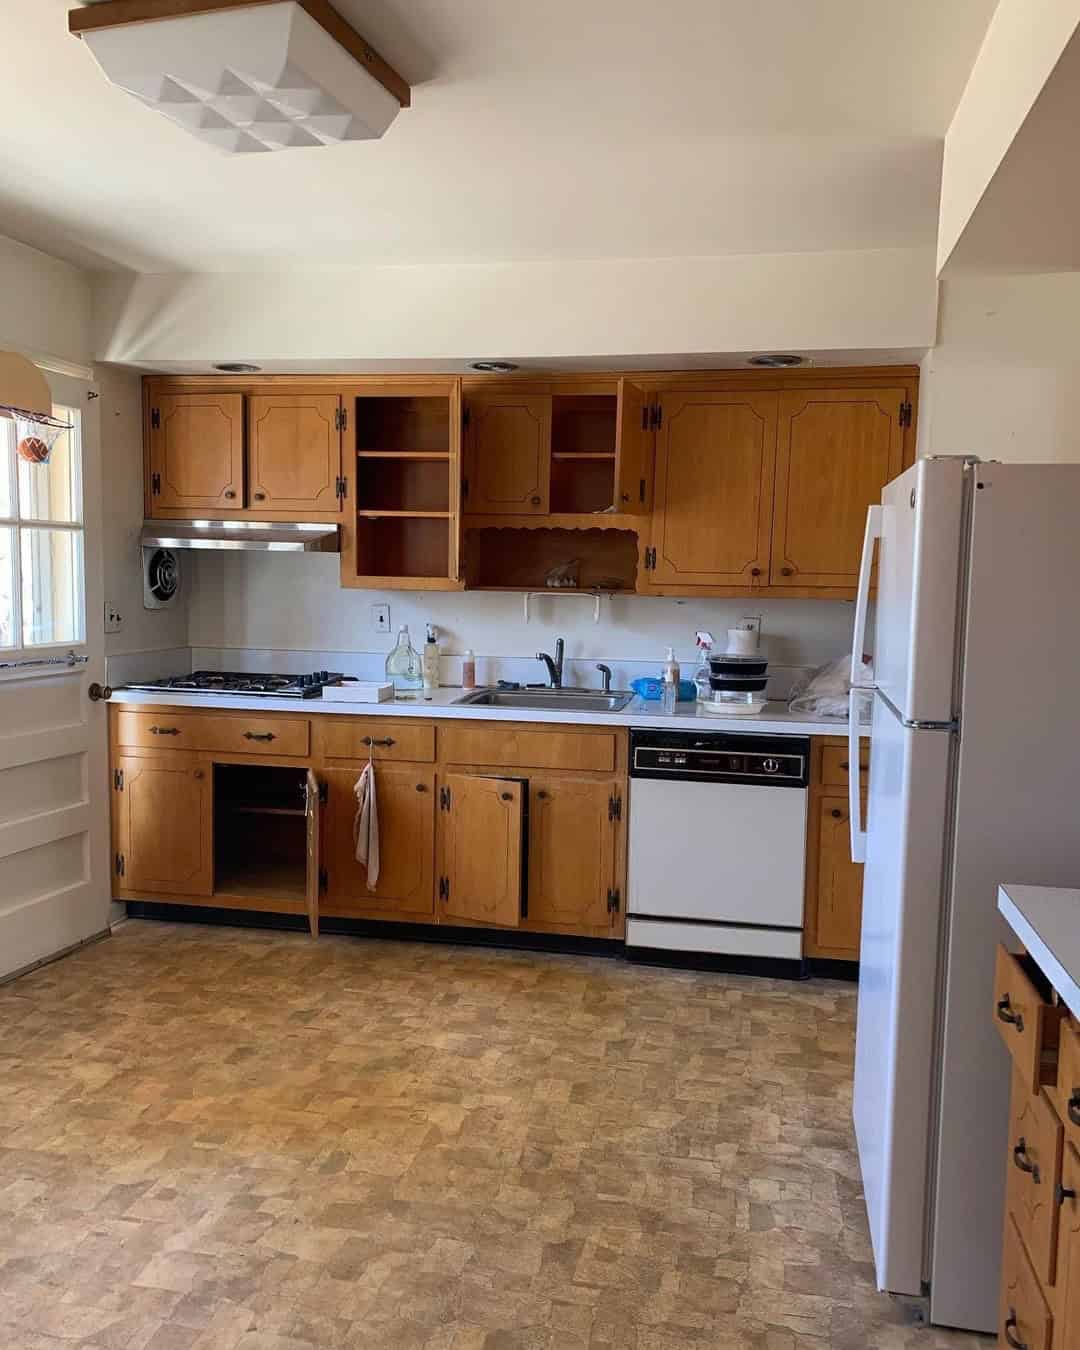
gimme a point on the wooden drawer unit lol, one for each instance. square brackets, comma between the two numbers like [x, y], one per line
[515, 747]
[1026, 1021]
[1024, 1318]
[1034, 1173]
[227, 734]
[1068, 1268]
[1069, 1080]
[357, 737]
[835, 768]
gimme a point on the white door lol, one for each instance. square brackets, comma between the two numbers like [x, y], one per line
[898, 977]
[54, 876]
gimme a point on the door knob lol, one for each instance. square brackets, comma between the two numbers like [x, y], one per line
[99, 692]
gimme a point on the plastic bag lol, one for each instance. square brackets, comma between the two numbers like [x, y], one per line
[826, 691]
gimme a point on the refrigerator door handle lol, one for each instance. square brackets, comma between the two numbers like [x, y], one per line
[855, 817]
[875, 521]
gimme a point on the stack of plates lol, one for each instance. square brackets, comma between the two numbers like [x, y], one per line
[737, 684]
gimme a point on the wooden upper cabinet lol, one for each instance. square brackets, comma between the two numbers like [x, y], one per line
[196, 452]
[481, 849]
[633, 451]
[508, 454]
[405, 795]
[837, 448]
[294, 453]
[163, 826]
[572, 832]
[715, 460]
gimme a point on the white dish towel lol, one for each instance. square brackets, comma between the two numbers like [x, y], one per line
[366, 825]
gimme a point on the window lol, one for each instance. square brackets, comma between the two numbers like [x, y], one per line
[41, 541]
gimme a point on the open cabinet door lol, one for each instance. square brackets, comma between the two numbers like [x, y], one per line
[633, 451]
[482, 849]
[456, 472]
[313, 812]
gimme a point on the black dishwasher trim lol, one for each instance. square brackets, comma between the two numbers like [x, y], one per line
[738, 757]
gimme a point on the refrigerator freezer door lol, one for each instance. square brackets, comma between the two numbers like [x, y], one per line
[898, 978]
[919, 573]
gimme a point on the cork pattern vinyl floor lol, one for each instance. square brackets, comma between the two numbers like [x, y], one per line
[225, 1139]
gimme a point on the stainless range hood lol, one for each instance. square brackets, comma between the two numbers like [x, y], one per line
[256, 536]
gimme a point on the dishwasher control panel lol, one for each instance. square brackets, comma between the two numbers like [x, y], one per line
[721, 757]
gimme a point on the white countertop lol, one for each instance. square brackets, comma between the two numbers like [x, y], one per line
[1046, 919]
[774, 720]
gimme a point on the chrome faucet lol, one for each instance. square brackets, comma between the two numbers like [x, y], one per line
[554, 665]
[605, 671]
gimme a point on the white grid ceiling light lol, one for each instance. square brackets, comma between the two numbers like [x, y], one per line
[264, 77]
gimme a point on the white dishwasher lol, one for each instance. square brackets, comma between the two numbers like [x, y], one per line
[717, 843]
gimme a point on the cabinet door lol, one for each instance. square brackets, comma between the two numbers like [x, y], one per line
[836, 885]
[837, 448]
[715, 460]
[405, 800]
[197, 452]
[572, 826]
[508, 454]
[164, 826]
[313, 823]
[633, 451]
[1068, 1262]
[481, 828]
[294, 454]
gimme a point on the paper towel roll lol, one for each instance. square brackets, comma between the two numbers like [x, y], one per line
[741, 642]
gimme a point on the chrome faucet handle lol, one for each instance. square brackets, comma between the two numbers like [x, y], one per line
[606, 672]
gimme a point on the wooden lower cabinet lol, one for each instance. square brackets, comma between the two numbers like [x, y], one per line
[1068, 1255]
[163, 825]
[573, 837]
[405, 797]
[833, 916]
[482, 849]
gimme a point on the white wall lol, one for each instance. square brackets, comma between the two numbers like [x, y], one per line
[866, 301]
[276, 603]
[44, 305]
[1003, 381]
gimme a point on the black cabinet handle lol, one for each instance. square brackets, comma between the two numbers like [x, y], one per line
[836, 813]
[1074, 1107]
[259, 736]
[259, 496]
[1024, 1163]
[1010, 1327]
[164, 731]
[787, 571]
[542, 794]
[229, 494]
[535, 501]
[1005, 1013]
[755, 571]
[386, 742]
[507, 796]
[421, 787]
[1063, 1193]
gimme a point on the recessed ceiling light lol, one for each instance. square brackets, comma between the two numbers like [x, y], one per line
[494, 367]
[236, 368]
[777, 360]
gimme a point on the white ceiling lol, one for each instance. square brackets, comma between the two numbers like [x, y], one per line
[567, 129]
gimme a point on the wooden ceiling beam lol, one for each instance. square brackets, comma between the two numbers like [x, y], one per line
[112, 13]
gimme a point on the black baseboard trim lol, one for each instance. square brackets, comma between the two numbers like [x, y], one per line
[378, 928]
[823, 969]
[772, 967]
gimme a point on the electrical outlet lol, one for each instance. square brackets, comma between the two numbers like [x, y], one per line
[114, 620]
[750, 623]
[380, 618]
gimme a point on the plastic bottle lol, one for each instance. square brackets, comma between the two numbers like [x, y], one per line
[431, 660]
[671, 676]
[468, 670]
[704, 670]
[403, 668]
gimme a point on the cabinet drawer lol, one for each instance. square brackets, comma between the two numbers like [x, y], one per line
[355, 738]
[242, 734]
[1069, 1080]
[835, 762]
[513, 748]
[1025, 1019]
[1033, 1174]
[1024, 1318]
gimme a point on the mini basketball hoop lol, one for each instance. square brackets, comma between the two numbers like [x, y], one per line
[36, 433]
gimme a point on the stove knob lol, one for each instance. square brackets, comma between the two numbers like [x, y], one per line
[306, 680]
[770, 766]
[322, 675]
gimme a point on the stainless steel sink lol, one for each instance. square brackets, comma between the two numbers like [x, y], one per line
[547, 700]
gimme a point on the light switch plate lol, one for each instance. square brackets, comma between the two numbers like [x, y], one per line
[114, 620]
[380, 618]
[750, 623]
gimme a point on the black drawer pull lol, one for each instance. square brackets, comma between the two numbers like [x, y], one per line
[1005, 1013]
[507, 796]
[836, 813]
[387, 741]
[1010, 1327]
[259, 736]
[164, 731]
[845, 765]
[1063, 1193]
[1074, 1107]
[1024, 1163]
[421, 787]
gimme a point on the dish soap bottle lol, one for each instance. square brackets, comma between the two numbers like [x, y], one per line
[403, 669]
[431, 660]
[703, 672]
[671, 676]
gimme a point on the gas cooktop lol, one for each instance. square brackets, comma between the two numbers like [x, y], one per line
[246, 683]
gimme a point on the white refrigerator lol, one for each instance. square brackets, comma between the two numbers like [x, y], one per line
[974, 714]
